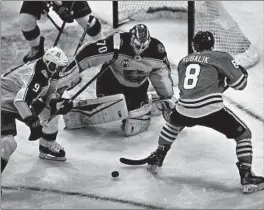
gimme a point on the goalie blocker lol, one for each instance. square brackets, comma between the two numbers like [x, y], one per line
[96, 111]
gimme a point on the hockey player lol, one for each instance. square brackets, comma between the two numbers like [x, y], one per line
[31, 12]
[202, 78]
[29, 94]
[141, 58]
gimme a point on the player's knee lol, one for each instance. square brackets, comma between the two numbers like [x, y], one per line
[27, 22]
[245, 135]
[95, 27]
[8, 146]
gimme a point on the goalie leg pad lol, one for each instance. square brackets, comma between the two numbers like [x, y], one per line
[139, 119]
[96, 111]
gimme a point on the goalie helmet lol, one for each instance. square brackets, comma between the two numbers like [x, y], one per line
[203, 40]
[140, 38]
[55, 60]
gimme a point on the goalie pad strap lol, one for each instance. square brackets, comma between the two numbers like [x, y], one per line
[139, 119]
[96, 111]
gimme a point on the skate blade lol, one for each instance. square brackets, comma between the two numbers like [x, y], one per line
[153, 169]
[49, 157]
[250, 188]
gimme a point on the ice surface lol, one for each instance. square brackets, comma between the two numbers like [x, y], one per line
[199, 171]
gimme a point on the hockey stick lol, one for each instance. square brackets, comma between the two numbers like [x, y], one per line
[82, 38]
[105, 67]
[62, 27]
[134, 162]
[53, 22]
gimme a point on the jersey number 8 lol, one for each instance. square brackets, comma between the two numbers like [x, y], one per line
[191, 76]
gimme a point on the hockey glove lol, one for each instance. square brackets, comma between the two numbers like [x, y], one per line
[37, 106]
[45, 7]
[244, 71]
[61, 106]
[64, 13]
[35, 128]
[166, 106]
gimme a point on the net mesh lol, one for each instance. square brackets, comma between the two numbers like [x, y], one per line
[209, 15]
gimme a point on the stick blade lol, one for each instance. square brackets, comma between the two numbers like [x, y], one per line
[133, 162]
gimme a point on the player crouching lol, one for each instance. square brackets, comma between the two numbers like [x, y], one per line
[141, 59]
[29, 95]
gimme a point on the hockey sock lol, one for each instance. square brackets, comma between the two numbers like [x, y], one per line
[48, 138]
[168, 134]
[32, 36]
[3, 164]
[244, 152]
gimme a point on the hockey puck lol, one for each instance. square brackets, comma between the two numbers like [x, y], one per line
[115, 174]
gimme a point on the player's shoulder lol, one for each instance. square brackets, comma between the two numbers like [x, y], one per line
[124, 37]
[156, 49]
[220, 54]
[39, 71]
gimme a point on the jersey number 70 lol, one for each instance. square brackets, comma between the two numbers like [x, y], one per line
[191, 76]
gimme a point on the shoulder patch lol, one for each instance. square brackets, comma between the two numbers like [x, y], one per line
[161, 48]
[125, 63]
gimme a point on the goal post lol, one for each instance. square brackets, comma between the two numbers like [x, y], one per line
[199, 15]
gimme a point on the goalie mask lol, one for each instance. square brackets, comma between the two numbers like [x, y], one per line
[55, 60]
[140, 38]
[203, 40]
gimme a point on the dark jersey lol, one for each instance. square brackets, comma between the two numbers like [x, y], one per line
[202, 80]
[20, 87]
[131, 70]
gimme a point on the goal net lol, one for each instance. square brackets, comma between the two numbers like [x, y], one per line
[200, 15]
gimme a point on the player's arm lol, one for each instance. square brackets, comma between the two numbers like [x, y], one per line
[52, 91]
[25, 96]
[161, 79]
[24, 99]
[95, 53]
[236, 75]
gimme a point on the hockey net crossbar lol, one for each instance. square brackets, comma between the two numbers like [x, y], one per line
[200, 15]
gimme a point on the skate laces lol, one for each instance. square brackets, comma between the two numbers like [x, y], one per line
[55, 147]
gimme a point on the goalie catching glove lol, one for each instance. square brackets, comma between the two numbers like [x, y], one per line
[33, 123]
[60, 106]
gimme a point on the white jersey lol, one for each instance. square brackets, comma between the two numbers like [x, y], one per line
[22, 86]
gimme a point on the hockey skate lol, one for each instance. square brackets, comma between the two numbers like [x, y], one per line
[249, 180]
[156, 159]
[51, 150]
[35, 52]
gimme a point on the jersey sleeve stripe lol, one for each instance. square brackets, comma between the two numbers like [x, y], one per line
[240, 84]
[236, 83]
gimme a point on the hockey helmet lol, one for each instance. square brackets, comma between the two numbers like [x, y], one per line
[55, 60]
[203, 40]
[140, 38]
